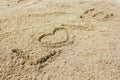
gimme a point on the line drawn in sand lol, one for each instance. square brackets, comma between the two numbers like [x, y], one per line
[26, 4]
[46, 60]
[46, 14]
[58, 38]
[80, 27]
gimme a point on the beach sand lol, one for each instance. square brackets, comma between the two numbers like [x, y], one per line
[59, 40]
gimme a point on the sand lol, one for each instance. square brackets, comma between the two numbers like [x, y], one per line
[59, 40]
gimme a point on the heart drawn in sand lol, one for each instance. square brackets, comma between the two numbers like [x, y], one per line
[58, 37]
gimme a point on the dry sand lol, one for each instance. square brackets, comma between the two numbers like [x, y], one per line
[59, 40]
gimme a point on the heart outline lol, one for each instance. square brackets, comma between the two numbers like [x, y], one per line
[57, 44]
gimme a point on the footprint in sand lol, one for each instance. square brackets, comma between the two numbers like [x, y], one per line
[58, 38]
[97, 14]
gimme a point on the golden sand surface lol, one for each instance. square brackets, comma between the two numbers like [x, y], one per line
[59, 40]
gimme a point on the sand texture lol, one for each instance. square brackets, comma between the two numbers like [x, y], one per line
[59, 40]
